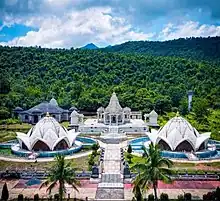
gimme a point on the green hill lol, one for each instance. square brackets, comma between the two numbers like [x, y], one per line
[86, 79]
[191, 48]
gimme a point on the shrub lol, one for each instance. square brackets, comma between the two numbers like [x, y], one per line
[180, 198]
[4, 113]
[20, 197]
[217, 193]
[56, 197]
[36, 197]
[129, 149]
[129, 157]
[164, 197]
[91, 160]
[151, 197]
[95, 147]
[94, 153]
[5, 193]
[188, 196]
[50, 198]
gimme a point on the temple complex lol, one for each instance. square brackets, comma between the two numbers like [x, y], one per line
[115, 121]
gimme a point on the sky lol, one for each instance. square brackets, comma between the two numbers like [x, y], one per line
[75, 23]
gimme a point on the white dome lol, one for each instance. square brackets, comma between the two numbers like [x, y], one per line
[127, 109]
[179, 135]
[100, 109]
[47, 135]
[53, 102]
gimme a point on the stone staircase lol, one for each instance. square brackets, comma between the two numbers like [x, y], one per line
[111, 186]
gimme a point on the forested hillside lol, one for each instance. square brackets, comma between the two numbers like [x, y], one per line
[191, 48]
[86, 79]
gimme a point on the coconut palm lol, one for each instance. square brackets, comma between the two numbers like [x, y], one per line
[153, 169]
[60, 174]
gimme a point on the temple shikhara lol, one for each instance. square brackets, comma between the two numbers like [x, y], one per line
[114, 114]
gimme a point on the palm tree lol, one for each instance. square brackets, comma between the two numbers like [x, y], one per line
[153, 169]
[61, 173]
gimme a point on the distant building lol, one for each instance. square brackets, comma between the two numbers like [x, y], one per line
[34, 114]
[190, 95]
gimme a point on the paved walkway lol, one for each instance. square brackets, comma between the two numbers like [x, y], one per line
[21, 160]
[111, 185]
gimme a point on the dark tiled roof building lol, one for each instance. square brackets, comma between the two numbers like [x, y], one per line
[34, 114]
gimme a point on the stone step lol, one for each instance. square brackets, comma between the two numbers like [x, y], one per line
[109, 193]
[110, 185]
[112, 178]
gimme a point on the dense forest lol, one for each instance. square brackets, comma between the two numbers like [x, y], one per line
[191, 48]
[86, 79]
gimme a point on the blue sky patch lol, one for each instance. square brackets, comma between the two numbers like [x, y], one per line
[16, 30]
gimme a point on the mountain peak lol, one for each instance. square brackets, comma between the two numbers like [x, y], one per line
[90, 46]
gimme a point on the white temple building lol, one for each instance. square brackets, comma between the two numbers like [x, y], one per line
[152, 116]
[179, 135]
[115, 120]
[47, 135]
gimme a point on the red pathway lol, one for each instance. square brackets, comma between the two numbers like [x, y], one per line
[186, 185]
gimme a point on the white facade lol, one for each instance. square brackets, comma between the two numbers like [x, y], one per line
[153, 116]
[115, 120]
[76, 118]
[114, 114]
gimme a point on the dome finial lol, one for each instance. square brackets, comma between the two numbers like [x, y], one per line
[47, 114]
[177, 114]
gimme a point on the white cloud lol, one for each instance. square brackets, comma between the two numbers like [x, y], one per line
[76, 28]
[188, 29]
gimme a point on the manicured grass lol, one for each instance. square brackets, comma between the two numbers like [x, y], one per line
[5, 152]
[7, 135]
[79, 163]
[65, 124]
[183, 167]
[21, 126]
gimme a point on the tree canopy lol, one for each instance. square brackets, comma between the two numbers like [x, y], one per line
[192, 48]
[86, 79]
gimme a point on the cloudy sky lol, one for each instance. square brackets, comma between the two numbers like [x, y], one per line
[74, 23]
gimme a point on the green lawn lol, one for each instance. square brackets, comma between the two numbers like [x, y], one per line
[183, 167]
[79, 163]
[7, 135]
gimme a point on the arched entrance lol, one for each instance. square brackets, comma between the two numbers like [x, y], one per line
[113, 119]
[35, 119]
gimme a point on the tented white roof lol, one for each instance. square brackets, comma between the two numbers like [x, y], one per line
[49, 131]
[178, 130]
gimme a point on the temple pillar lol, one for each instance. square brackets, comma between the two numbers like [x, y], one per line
[98, 116]
[104, 118]
[110, 118]
[116, 119]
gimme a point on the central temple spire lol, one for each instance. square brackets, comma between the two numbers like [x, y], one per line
[114, 105]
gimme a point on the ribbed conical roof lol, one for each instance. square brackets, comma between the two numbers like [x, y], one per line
[113, 106]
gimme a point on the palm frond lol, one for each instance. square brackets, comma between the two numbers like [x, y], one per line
[51, 186]
[44, 184]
